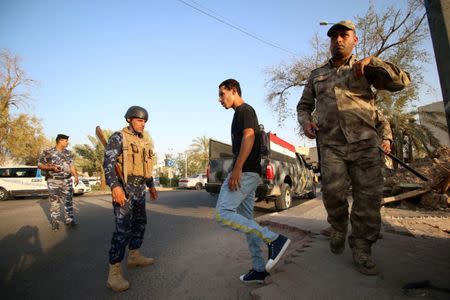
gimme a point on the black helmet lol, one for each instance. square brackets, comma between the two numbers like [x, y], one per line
[136, 112]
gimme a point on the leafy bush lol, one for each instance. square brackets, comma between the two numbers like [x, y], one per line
[166, 182]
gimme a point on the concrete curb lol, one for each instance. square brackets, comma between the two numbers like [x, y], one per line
[311, 271]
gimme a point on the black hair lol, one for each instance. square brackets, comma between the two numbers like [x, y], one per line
[61, 137]
[230, 84]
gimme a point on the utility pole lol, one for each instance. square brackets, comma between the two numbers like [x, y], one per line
[186, 164]
[438, 12]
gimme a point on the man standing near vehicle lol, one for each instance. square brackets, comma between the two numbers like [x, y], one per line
[234, 207]
[58, 163]
[132, 150]
[341, 94]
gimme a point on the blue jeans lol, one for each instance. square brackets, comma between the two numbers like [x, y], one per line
[234, 209]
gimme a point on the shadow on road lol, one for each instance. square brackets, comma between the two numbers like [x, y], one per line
[18, 252]
[76, 266]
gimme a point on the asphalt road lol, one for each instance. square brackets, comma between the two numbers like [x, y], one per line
[195, 257]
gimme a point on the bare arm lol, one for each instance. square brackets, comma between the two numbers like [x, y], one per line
[49, 167]
[74, 173]
[248, 140]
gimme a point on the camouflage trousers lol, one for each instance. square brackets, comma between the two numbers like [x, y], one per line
[130, 222]
[345, 166]
[60, 191]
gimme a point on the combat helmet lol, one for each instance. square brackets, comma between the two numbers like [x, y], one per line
[136, 112]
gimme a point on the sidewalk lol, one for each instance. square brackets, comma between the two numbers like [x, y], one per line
[313, 272]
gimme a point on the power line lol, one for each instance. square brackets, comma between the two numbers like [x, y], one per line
[223, 20]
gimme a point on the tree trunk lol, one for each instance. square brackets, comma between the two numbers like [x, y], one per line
[410, 151]
[102, 179]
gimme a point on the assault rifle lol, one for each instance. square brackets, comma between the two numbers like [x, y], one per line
[403, 164]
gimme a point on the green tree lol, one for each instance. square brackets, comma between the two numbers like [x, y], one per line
[198, 155]
[25, 140]
[21, 137]
[91, 157]
[407, 132]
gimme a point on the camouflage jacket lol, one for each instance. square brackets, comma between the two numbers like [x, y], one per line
[62, 159]
[344, 106]
[113, 150]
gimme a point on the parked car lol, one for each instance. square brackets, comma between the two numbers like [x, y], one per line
[197, 181]
[91, 180]
[82, 187]
[284, 171]
[21, 181]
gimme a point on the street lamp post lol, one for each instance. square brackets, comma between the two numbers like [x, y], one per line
[170, 175]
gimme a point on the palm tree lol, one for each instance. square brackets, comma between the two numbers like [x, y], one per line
[199, 153]
[92, 156]
[408, 133]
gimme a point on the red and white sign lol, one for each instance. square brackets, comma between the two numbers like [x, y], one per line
[281, 146]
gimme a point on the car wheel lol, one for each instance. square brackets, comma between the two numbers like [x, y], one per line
[313, 193]
[284, 201]
[3, 194]
[198, 186]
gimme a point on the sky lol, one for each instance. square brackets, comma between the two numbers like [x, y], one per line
[94, 59]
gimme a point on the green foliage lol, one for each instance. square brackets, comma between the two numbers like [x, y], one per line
[25, 140]
[21, 137]
[198, 156]
[90, 157]
[166, 182]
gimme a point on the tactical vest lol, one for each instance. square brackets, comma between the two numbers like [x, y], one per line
[137, 156]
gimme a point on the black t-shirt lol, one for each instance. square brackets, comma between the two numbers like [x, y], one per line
[245, 117]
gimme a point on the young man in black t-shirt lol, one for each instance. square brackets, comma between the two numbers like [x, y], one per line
[235, 203]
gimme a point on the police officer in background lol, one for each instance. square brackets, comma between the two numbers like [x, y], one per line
[58, 163]
[132, 150]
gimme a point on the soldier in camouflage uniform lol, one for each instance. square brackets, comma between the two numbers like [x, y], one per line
[133, 152]
[341, 94]
[58, 163]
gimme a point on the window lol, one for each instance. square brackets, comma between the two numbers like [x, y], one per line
[18, 172]
[4, 172]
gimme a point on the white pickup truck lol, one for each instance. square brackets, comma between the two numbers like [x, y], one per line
[26, 181]
[197, 181]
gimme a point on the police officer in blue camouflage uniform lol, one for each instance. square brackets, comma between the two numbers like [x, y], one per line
[58, 163]
[132, 151]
